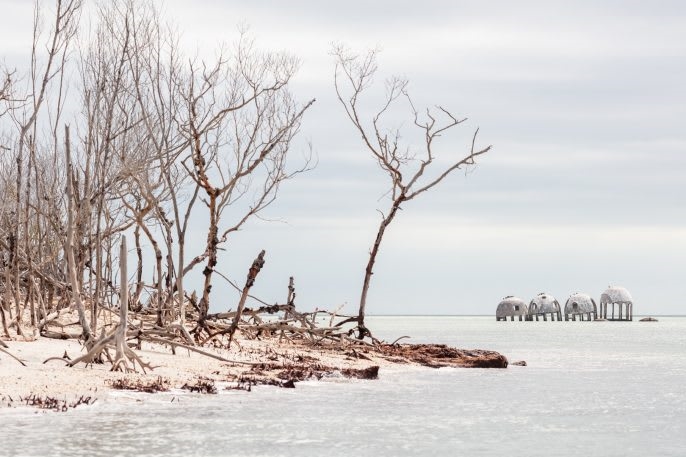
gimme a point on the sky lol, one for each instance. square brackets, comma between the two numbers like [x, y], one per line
[584, 104]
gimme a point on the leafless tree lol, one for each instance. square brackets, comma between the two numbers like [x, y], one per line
[411, 172]
[25, 106]
[157, 71]
[240, 119]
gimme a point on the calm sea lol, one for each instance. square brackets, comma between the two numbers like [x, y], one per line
[590, 389]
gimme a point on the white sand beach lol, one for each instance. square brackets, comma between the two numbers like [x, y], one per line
[55, 379]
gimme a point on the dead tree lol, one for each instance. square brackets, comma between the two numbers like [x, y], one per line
[69, 244]
[410, 172]
[26, 107]
[157, 71]
[240, 120]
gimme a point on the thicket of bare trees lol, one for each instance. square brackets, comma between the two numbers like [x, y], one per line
[114, 131]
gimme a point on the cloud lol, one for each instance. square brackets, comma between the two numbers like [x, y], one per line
[583, 102]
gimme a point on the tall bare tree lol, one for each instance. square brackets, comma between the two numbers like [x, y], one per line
[240, 120]
[411, 172]
[26, 106]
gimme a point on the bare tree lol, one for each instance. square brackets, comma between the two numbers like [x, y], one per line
[25, 105]
[69, 247]
[240, 120]
[410, 172]
[157, 71]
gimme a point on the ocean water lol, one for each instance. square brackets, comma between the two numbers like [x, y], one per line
[590, 389]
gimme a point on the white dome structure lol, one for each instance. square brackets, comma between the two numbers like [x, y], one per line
[543, 305]
[510, 307]
[581, 306]
[620, 298]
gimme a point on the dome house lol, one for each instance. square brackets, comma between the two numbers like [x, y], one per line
[510, 307]
[544, 305]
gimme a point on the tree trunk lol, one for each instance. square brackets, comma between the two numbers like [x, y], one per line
[14, 237]
[212, 242]
[158, 298]
[179, 284]
[4, 319]
[139, 267]
[158, 268]
[169, 282]
[120, 335]
[369, 271]
[69, 245]
[98, 276]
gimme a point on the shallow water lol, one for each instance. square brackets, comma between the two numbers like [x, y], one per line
[590, 389]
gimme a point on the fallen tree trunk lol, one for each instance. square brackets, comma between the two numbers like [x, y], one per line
[441, 355]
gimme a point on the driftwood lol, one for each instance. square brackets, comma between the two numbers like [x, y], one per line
[60, 335]
[3, 349]
[257, 265]
[194, 349]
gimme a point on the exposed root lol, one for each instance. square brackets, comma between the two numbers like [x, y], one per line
[61, 359]
[2, 349]
[125, 359]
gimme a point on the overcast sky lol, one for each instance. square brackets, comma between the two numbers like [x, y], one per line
[583, 102]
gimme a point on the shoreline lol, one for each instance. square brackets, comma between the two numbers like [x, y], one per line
[54, 385]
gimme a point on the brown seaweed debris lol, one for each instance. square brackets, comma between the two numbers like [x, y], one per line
[441, 355]
[201, 386]
[54, 404]
[286, 375]
[157, 385]
[361, 373]
[316, 371]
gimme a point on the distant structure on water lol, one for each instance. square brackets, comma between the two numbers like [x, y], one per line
[616, 304]
[620, 297]
[544, 305]
[581, 306]
[510, 307]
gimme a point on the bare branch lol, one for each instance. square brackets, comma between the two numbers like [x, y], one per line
[406, 169]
